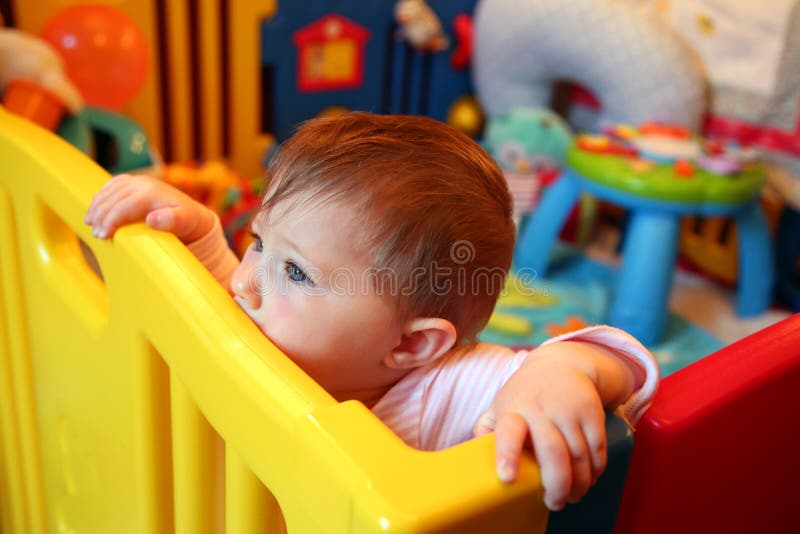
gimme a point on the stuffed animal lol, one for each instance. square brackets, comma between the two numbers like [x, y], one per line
[529, 145]
[419, 26]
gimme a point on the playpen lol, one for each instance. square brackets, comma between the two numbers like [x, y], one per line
[143, 400]
[136, 397]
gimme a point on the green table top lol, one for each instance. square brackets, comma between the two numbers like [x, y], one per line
[661, 183]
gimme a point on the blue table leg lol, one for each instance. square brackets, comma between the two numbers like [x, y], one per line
[756, 262]
[537, 239]
[644, 281]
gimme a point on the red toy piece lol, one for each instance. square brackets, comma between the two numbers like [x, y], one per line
[718, 449]
[684, 168]
[462, 56]
[35, 102]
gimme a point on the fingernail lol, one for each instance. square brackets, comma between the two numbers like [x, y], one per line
[504, 471]
[554, 506]
[158, 220]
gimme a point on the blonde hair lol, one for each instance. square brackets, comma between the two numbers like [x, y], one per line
[436, 208]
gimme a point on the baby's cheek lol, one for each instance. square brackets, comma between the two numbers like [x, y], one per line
[277, 318]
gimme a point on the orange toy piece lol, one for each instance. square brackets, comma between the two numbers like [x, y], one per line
[207, 183]
[666, 130]
[601, 144]
[35, 102]
[684, 168]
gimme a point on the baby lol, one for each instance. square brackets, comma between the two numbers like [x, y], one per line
[380, 250]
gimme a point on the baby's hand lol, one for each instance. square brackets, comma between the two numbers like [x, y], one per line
[128, 198]
[554, 402]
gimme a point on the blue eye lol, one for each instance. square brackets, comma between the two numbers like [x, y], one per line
[296, 274]
[258, 245]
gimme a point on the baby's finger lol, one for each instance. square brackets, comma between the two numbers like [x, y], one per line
[581, 462]
[594, 431]
[510, 433]
[126, 210]
[554, 460]
[113, 184]
[184, 222]
[485, 425]
[104, 199]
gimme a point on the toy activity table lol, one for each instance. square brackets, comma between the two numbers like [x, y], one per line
[656, 196]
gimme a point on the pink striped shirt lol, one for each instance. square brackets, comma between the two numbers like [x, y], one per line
[436, 406]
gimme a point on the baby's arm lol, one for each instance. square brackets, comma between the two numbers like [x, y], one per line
[558, 397]
[127, 199]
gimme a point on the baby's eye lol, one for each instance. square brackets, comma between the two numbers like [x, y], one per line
[258, 245]
[296, 274]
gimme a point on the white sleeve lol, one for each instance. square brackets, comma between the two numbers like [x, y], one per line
[213, 252]
[634, 355]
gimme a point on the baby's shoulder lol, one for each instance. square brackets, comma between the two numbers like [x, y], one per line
[477, 352]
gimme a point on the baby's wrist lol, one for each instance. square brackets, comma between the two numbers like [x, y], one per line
[611, 377]
[566, 354]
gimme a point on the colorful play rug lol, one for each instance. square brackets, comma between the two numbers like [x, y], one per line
[575, 294]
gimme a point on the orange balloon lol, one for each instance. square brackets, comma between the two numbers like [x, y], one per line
[104, 52]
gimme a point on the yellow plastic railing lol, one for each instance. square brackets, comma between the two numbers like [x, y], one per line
[143, 400]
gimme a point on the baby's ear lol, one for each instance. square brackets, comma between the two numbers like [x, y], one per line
[424, 340]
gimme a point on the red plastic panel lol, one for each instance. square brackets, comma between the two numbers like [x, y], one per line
[719, 450]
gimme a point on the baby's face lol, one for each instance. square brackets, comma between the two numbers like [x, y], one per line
[304, 282]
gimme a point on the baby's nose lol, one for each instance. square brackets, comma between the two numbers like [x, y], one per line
[246, 289]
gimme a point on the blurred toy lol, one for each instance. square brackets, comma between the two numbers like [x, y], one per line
[419, 26]
[104, 51]
[466, 115]
[207, 183]
[232, 197]
[529, 145]
[462, 55]
[629, 58]
[32, 79]
[115, 142]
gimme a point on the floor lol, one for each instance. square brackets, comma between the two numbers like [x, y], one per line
[695, 298]
[577, 292]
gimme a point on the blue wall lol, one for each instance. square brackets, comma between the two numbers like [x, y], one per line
[397, 79]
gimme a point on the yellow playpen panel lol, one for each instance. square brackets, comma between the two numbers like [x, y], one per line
[143, 400]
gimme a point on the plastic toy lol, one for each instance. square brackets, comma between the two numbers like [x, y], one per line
[624, 54]
[33, 81]
[104, 52]
[419, 26]
[466, 115]
[657, 197]
[462, 55]
[30, 100]
[217, 186]
[529, 145]
[528, 140]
